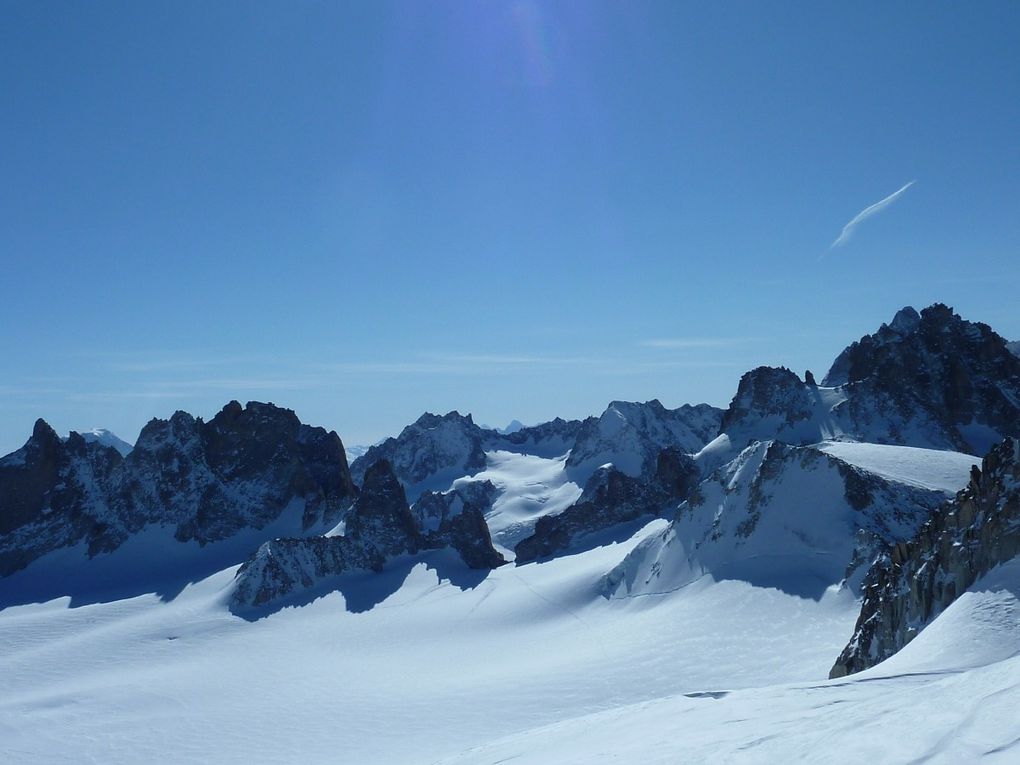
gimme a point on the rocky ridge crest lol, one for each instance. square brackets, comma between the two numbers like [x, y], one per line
[918, 579]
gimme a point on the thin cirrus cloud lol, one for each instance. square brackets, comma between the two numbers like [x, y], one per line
[675, 343]
[866, 213]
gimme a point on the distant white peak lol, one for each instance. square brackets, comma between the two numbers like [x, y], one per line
[106, 438]
[353, 452]
[513, 427]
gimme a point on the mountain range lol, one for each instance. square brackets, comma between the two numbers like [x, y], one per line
[866, 506]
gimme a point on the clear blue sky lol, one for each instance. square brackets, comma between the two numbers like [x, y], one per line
[367, 210]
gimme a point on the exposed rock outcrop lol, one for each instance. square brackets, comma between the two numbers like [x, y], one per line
[917, 579]
[928, 379]
[379, 526]
[244, 469]
[937, 371]
[434, 448]
[456, 518]
[239, 470]
[612, 497]
[54, 493]
[769, 392]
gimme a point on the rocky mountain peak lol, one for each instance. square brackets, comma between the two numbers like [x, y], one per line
[938, 372]
[768, 391]
[913, 338]
[380, 525]
[381, 484]
[247, 467]
[49, 489]
[43, 436]
[429, 420]
[106, 438]
[44, 445]
[631, 434]
[906, 320]
[381, 515]
[433, 447]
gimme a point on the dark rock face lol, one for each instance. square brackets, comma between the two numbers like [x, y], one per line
[281, 567]
[611, 497]
[379, 525]
[239, 470]
[769, 392]
[456, 519]
[927, 379]
[448, 445]
[380, 518]
[934, 367]
[916, 580]
[243, 469]
[53, 494]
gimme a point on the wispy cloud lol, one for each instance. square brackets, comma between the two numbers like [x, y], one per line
[693, 342]
[866, 213]
[458, 363]
[647, 366]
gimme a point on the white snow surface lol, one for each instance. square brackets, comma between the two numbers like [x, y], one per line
[925, 468]
[530, 487]
[950, 696]
[785, 520]
[429, 670]
[528, 665]
[429, 662]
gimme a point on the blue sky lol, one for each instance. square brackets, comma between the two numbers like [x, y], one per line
[517, 209]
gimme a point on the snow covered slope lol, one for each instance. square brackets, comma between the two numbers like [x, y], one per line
[798, 518]
[422, 661]
[434, 451]
[529, 487]
[948, 697]
[931, 469]
[528, 664]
